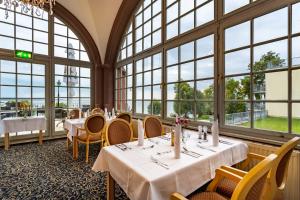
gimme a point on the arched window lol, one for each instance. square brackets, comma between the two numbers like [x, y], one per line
[235, 60]
[54, 79]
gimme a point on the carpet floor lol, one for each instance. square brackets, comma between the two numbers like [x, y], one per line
[48, 171]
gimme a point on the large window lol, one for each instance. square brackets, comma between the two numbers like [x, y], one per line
[242, 68]
[59, 70]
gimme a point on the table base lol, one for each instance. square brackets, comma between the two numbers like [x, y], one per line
[110, 193]
[7, 143]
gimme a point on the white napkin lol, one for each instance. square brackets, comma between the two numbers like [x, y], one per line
[113, 114]
[177, 141]
[215, 133]
[140, 133]
[105, 113]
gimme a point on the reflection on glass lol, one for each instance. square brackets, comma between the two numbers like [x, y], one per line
[237, 62]
[270, 26]
[237, 113]
[237, 36]
[271, 116]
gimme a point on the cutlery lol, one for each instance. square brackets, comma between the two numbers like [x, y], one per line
[191, 153]
[149, 147]
[164, 138]
[127, 147]
[121, 147]
[206, 148]
[225, 142]
[156, 161]
[163, 152]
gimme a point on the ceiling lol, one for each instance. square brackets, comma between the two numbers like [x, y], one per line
[97, 16]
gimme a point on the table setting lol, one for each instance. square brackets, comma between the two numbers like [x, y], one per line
[151, 168]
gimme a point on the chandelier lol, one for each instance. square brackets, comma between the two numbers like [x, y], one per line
[28, 6]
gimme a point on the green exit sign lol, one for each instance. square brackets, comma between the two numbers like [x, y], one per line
[23, 54]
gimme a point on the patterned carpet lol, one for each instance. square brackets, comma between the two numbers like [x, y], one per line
[31, 171]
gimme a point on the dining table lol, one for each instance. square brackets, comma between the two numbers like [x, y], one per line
[20, 124]
[151, 172]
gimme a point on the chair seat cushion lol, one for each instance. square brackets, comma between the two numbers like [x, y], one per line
[226, 187]
[83, 136]
[207, 196]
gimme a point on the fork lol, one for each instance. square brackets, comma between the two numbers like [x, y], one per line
[206, 148]
[156, 161]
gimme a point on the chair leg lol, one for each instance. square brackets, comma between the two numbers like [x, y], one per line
[87, 152]
[76, 148]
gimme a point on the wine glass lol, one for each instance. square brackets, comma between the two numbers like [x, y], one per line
[200, 131]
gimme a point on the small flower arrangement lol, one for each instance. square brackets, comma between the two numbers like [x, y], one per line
[181, 121]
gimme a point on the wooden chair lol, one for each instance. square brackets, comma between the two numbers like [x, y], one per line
[91, 133]
[97, 111]
[250, 185]
[276, 179]
[126, 116]
[118, 131]
[153, 127]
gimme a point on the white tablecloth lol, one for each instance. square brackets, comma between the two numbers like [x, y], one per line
[18, 124]
[141, 178]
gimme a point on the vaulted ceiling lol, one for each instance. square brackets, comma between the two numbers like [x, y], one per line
[97, 16]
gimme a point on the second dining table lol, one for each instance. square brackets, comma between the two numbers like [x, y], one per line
[151, 171]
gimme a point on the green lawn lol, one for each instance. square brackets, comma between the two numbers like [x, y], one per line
[276, 124]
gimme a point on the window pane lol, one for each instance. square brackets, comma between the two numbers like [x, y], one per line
[7, 43]
[205, 111]
[147, 78]
[295, 84]
[172, 29]
[40, 48]
[237, 113]
[172, 56]
[147, 92]
[296, 118]
[296, 51]
[231, 5]
[23, 33]
[184, 109]
[139, 106]
[23, 20]
[187, 52]
[205, 46]
[147, 63]
[60, 29]
[170, 109]
[139, 79]
[172, 12]
[147, 107]
[237, 62]
[38, 81]
[24, 45]
[205, 68]
[205, 13]
[156, 38]
[7, 79]
[157, 62]
[38, 69]
[8, 92]
[186, 90]
[40, 24]
[8, 66]
[237, 36]
[157, 76]
[172, 74]
[205, 90]
[271, 116]
[156, 92]
[139, 93]
[186, 6]
[187, 71]
[24, 92]
[266, 86]
[270, 26]
[172, 91]
[187, 22]
[296, 18]
[237, 88]
[24, 68]
[7, 29]
[38, 92]
[24, 80]
[270, 56]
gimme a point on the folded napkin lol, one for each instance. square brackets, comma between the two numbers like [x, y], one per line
[215, 133]
[177, 141]
[140, 133]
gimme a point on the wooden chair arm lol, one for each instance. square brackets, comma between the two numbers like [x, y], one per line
[177, 196]
[220, 174]
[250, 157]
[234, 170]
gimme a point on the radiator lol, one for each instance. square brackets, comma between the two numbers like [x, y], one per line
[292, 189]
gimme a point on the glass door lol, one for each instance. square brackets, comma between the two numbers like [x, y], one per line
[23, 92]
[71, 90]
